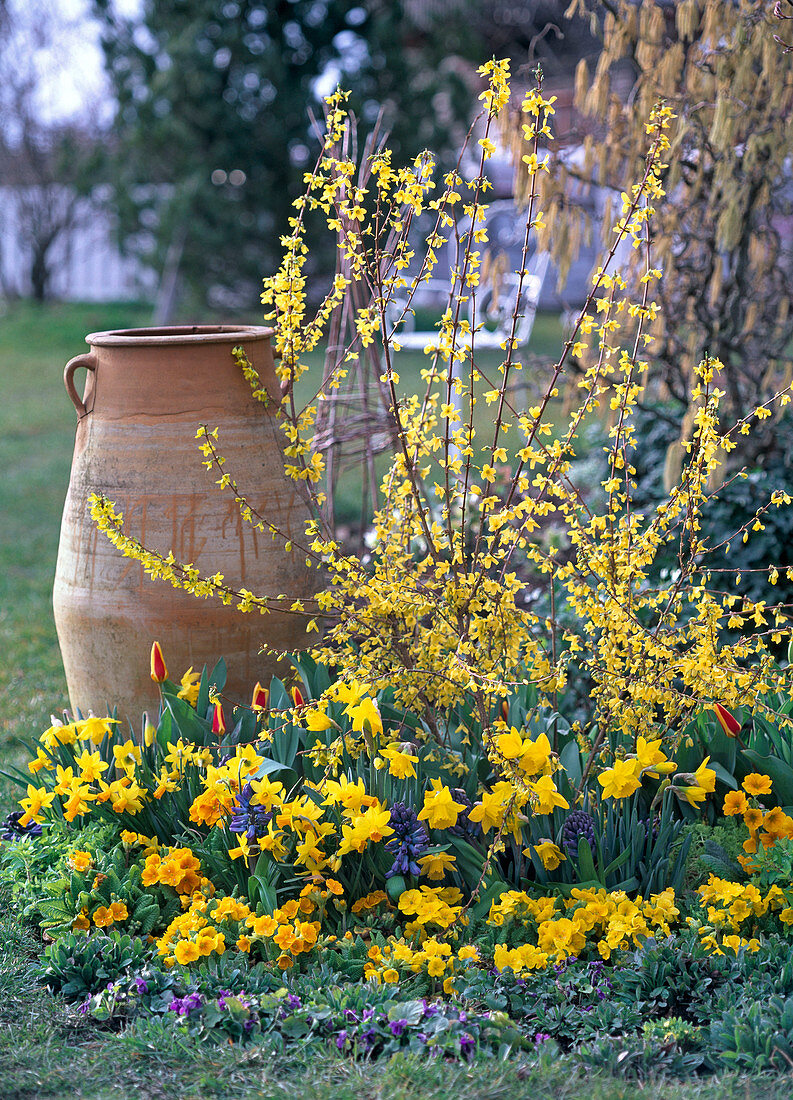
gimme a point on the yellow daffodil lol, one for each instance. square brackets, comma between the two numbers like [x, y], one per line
[550, 855]
[651, 760]
[548, 796]
[621, 780]
[435, 865]
[440, 811]
[191, 684]
[316, 720]
[400, 762]
[38, 800]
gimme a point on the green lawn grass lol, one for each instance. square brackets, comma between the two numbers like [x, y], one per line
[37, 424]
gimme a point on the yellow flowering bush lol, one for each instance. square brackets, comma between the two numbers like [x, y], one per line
[439, 613]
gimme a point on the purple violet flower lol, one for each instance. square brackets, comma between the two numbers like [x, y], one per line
[467, 1044]
[396, 1027]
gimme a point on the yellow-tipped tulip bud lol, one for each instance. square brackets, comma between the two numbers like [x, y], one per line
[159, 672]
[218, 719]
[261, 698]
[728, 722]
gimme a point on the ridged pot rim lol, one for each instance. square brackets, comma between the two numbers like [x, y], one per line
[171, 335]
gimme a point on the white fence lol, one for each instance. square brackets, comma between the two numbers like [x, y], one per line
[84, 260]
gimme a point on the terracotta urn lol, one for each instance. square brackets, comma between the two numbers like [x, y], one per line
[146, 393]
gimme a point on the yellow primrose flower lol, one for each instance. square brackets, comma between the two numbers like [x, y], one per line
[735, 804]
[80, 861]
[186, 952]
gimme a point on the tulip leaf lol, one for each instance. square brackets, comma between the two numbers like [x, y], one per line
[586, 863]
[723, 775]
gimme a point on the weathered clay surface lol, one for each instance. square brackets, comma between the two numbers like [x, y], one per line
[146, 395]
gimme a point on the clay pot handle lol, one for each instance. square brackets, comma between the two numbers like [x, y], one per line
[89, 362]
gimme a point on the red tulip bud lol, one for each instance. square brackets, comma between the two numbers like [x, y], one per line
[505, 710]
[218, 720]
[728, 722]
[297, 697]
[159, 672]
[261, 697]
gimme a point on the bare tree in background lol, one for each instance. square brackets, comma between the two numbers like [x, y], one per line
[44, 163]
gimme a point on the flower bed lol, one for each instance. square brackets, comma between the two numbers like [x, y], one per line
[300, 876]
